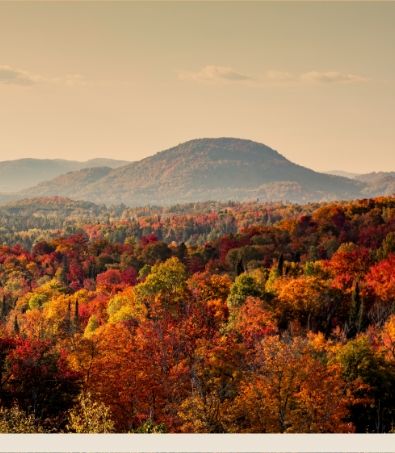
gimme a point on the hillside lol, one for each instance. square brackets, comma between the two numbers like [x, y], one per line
[51, 207]
[375, 176]
[71, 184]
[345, 174]
[23, 173]
[381, 186]
[203, 169]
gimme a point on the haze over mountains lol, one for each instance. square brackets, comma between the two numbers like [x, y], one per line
[20, 174]
[204, 169]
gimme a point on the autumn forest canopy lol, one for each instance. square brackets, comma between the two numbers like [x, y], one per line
[206, 317]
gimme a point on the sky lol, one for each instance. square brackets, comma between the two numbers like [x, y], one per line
[313, 80]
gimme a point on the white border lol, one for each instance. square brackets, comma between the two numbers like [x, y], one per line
[193, 443]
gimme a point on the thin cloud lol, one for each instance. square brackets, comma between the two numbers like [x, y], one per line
[220, 75]
[278, 75]
[214, 74]
[15, 76]
[331, 77]
[10, 76]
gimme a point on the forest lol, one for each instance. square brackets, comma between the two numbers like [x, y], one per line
[198, 318]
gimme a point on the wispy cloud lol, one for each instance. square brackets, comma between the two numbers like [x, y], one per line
[278, 75]
[331, 77]
[15, 76]
[214, 74]
[10, 76]
[221, 75]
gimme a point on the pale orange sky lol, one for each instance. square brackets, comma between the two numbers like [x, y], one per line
[315, 81]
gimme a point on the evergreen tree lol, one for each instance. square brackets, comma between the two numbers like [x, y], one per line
[239, 267]
[182, 252]
[3, 310]
[362, 318]
[64, 270]
[16, 326]
[67, 318]
[280, 265]
[76, 316]
[356, 314]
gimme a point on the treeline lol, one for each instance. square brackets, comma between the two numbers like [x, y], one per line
[30, 221]
[284, 324]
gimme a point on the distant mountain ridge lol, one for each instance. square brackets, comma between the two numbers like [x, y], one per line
[219, 169]
[375, 176]
[344, 174]
[20, 174]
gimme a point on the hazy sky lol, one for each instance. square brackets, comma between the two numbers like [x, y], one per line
[315, 81]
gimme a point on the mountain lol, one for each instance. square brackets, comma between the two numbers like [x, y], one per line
[382, 186]
[54, 206]
[20, 174]
[344, 174]
[203, 169]
[375, 176]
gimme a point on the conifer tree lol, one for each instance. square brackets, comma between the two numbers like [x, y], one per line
[16, 326]
[239, 267]
[67, 318]
[280, 265]
[356, 312]
[76, 316]
[182, 252]
[3, 310]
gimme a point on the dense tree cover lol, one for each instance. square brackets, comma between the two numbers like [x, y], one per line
[29, 221]
[273, 327]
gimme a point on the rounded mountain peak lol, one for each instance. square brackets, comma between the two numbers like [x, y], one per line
[223, 148]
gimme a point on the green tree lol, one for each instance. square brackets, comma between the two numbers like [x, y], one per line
[91, 326]
[159, 251]
[358, 359]
[166, 281]
[244, 286]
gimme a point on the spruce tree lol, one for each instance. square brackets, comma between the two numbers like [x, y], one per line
[3, 310]
[16, 326]
[354, 314]
[64, 270]
[182, 252]
[239, 267]
[362, 318]
[280, 265]
[67, 318]
[76, 316]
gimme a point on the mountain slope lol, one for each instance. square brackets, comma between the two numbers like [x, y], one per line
[71, 184]
[375, 176]
[219, 169]
[345, 174]
[23, 173]
[202, 169]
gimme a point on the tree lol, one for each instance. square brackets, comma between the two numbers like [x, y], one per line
[381, 279]
[166, 284]
[244, 286]
[16, 421]
[91, 326]
[358, 360]
[90, 417]
[156, 252]
[289, 389]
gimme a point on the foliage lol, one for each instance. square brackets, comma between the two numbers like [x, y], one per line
[207, 317]
[90, 417]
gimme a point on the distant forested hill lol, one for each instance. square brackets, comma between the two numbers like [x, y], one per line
[23, 173]
[204, 169]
